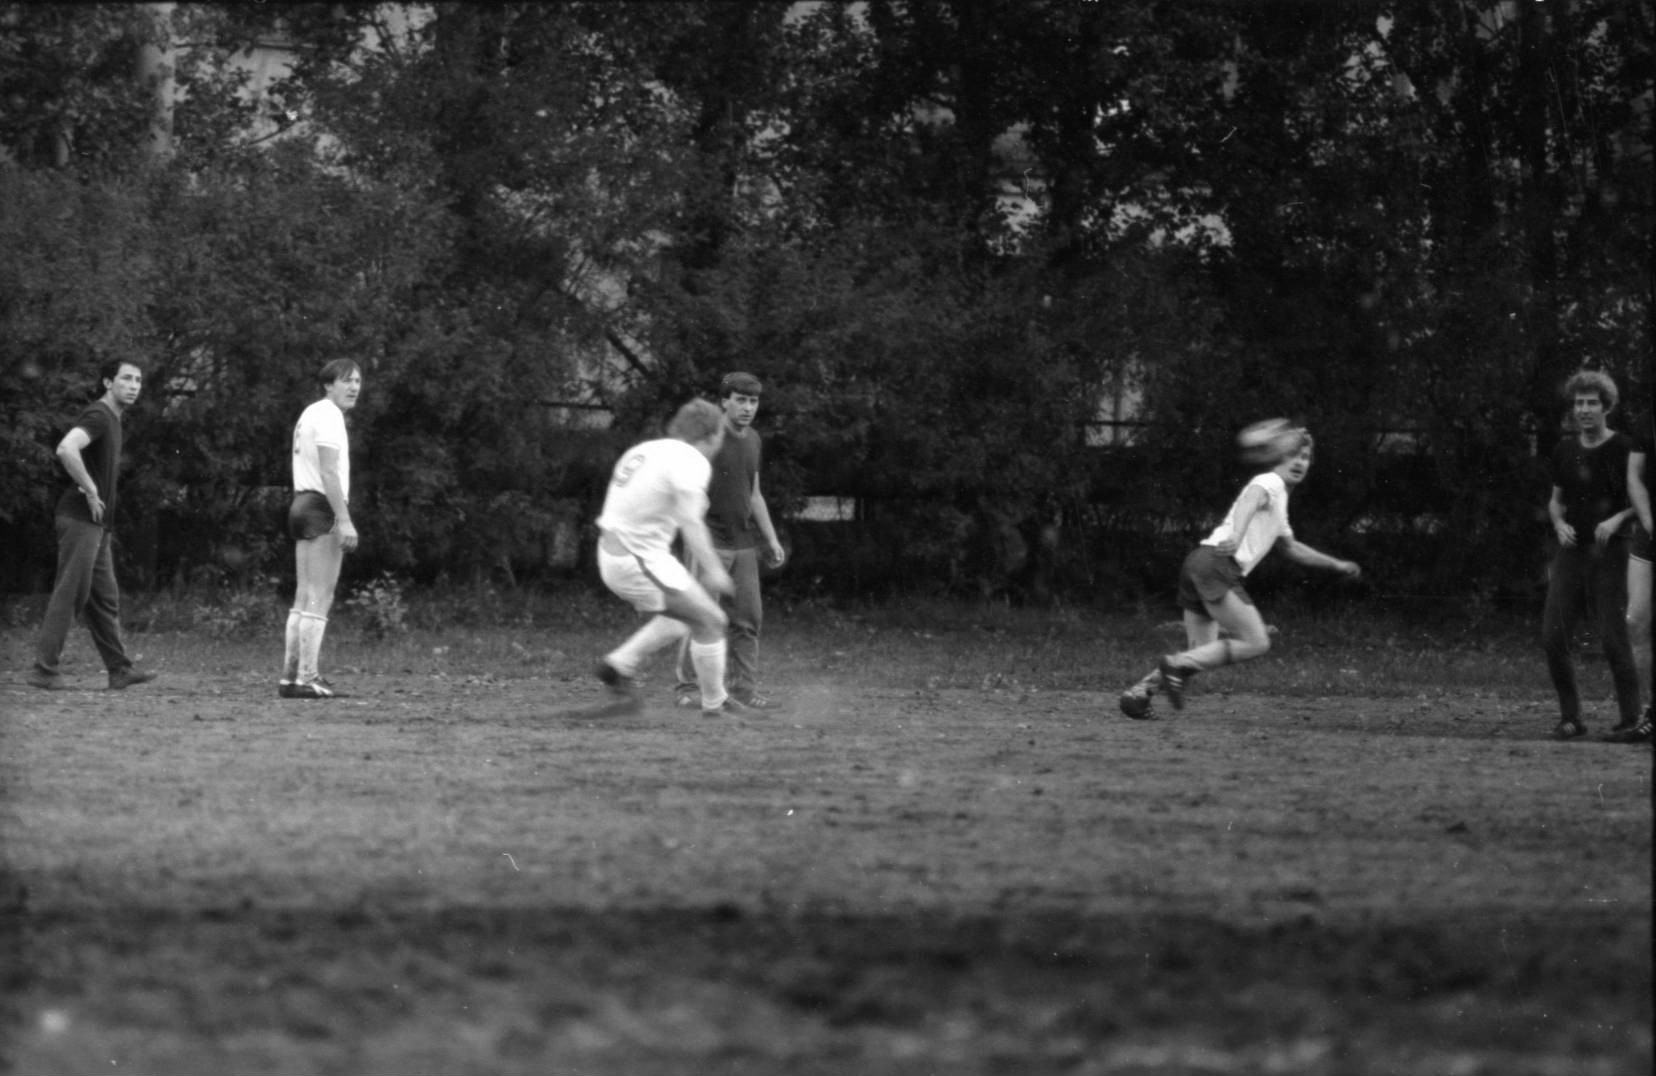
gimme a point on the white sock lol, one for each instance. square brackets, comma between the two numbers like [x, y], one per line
[290, 650]
[657, 632]
[311, 628]
[709, 660]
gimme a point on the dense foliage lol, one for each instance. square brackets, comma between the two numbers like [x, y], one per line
[953, 237]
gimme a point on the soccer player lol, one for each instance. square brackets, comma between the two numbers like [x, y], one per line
[85, 518]
[319, 521]
[1590, 512]
[739, 521]
[658, 491]
[1222, 625]
[1638, 590]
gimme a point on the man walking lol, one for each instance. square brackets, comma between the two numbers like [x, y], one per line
[85, 518]
[739, 521]
[319, 521]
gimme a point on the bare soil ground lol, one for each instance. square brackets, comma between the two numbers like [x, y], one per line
[448, 873]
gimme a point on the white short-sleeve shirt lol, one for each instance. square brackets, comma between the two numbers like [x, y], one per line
[1267, 526]
[321, 425]
[656, 488]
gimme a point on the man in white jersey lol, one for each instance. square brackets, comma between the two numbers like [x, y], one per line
[320, 523]
[657, 492]
[1222, 625]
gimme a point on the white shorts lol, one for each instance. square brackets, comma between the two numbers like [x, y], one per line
[642, 585]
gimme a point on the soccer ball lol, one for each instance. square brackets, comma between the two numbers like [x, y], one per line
[1267, 443]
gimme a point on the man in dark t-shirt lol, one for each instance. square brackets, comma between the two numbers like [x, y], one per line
[85, 584]
[1591, 517]
[740, 523]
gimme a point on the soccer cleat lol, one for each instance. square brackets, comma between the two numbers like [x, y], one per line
[687, 700]
[619, 683]
[1135, 702]
[1174, 679]
[1569, 729]
[315, 689]
[44, 680]
[131, 676]
[284, 689]
[1638, 732]
[753, 700]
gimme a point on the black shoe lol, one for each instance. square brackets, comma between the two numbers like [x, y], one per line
[315, 689]
[131, 676]
[44, 680]
[1174, 679]
[1638, 732]
[1569, 729]
[753, 700]
[1135, 702]
[732, 707]
[620, 685]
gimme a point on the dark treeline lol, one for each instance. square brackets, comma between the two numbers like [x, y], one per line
[954, 237]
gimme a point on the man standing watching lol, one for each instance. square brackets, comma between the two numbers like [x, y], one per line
[319, 522]
[1590, 512]
[85, 584]
[740, 523]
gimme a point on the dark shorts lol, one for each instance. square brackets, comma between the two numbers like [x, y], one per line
[310, 516]
[1207, 576]
[1640, 548]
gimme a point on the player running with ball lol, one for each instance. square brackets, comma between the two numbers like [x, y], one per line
[1222, 625]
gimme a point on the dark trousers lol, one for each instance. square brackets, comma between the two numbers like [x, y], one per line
[1584, 577]
[86, 587]
[746, 610]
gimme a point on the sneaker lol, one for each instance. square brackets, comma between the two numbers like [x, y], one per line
[1569, 729]
[44, 680]
[1638, 732]
[732, 707]
[1174, 679]
[315, 689]
[753, 700]
[1135, 702]
[131, 676]
[620, 684]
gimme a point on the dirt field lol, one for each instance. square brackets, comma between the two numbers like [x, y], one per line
[445, 874]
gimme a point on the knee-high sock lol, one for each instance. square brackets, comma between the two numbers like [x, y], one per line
[290, 650]
[311, 628]
[656, 633]
[709, 660]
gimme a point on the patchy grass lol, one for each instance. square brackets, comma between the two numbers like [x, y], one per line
[947, 853]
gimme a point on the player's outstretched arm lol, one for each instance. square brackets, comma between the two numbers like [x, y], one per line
[1300, 553]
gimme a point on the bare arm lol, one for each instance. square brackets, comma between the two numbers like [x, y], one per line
[334, 489]
[761, 514]
[1300, 553]
[1637, 491]
[704, 561]
[69, 454]
[1555, 510]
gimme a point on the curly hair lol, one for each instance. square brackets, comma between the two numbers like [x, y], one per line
[1596, 381]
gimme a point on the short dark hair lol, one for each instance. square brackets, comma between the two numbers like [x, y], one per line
[336, 370]
[739, 382]
[110, 369]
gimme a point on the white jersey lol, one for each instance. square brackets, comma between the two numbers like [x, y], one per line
[1268, 524]
[655, 489]
[321, 425]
